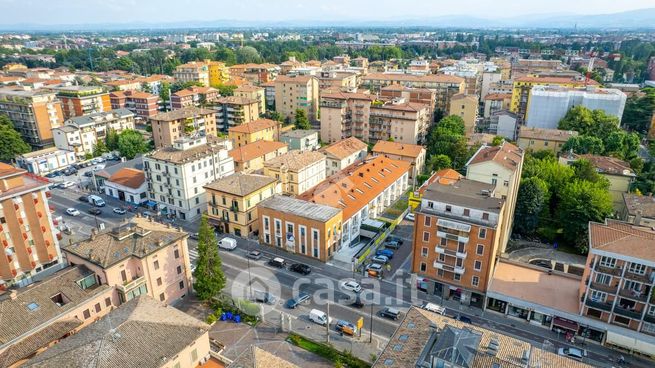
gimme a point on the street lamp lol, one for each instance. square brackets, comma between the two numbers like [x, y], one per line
[370, 333]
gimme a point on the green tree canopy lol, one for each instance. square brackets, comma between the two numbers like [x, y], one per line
[208, 276]
[111, 141]
[11, 143]
[100, 148]
[582, 144]
[248, 54]
[638, 111]
[438, 162]
[226, 90]
[131, 143]
[531, 201]
[447, 138]
[301, 121]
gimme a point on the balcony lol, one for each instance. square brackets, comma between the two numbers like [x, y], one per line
[598, 305]
[128, 286]
[627, 312]
[445, 267]
[611, 289]
[461, 255]
[634, 295]
[449, 236]
[460, 270]
[608, 270]
[446, 251]
[644, 279]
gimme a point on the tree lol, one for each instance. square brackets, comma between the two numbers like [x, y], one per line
[226, 89]
[447, 138]
[11, 143]
[452, 123]
[165, 92]
[584, 170]
[274, 115]
[99, 149]
[438, 162]
[638, 111]
[301, 121]
[497, 141]
[582, 201]
[585, 121]
[131, 143]
[584, 144]
[248, 54]
[111, 141]
[208, 275]
[531, 201]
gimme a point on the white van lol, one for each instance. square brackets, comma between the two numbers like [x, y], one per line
[434, 308]
[96, 201]
[227, 243]
[319, 317]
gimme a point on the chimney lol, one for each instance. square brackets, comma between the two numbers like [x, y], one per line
[637, 220]
[13, 295]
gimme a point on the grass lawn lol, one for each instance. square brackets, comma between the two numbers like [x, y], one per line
[327, 351]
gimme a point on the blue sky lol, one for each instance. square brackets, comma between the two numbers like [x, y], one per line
[120, 11]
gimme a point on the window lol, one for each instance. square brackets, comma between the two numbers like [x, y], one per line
[457, 277]
[156, 265]
[124, 276]
[608, 262]
[443, 242]
[162, 297]
[179, 270]
[107, 302]
[194, 355]
[485, 216]
[181, 285]
[604, 279]
[482, 234]
[461, 247]
[424, 251]
[97, 307]
[459, 262]
[159, 282]
[177, 253]
[426, 236]
[651, 310]
[598, 296]
[477, 265]
[442, 257]
[467, 212]
[475, 281]
[427, 221]
[449, 209]
[86, 314]
[440, 272]
[637, 268]
[480, 250]
[423, 267]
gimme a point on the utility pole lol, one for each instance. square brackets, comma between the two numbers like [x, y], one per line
[327, 324]
[370, 333]
[249, 278]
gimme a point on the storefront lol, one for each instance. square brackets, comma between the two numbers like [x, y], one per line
[497, 305]
[540, 319]
[518, 312]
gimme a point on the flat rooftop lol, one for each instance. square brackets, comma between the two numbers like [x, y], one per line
[299, 207]
[533, 284]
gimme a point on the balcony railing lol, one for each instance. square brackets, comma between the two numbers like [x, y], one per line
[627, 312]
[125, 288]
[598, 305]
[637, 277]
[634, 295]
[608, 270]
[649, 318]
[604, 287]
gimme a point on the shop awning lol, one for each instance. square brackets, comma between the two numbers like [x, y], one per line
[565, 324]
[151, 204]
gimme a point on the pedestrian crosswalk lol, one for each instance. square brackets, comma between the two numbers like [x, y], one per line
[193, 256]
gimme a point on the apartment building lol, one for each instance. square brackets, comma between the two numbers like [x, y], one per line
[233, 111]
[539, 139]
[173, 339]
[549, 104]
[337, 80]
[522, 87]
[144, 105]
[219, 73]
[296, 170]
[194, 96]
[397, 120]
[423, 96]
[252, 156]
[299, 139]
[445, 86]
[495, 102]
[253, 93]
[34, 114]
[525, 67]
[500, 166]
[300, 227]
[638, 209]
[466, 107]
[269, 94]
[60, 305]
[167, 127]
[82, 100]
[81, 134]
[142, 257]
[256, 74]
[256, 130]
[28, 231]
[361, 191]
[344, 153]
[412, 153]
[46, 160]
[123, 85]
[456, 239]
[344, 115]
[177, 174]
[297, 93]
[194, 71]
[232, 202]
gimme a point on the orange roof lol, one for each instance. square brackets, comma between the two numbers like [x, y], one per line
[255, 149]
[356, 186]
[400, 149]
[345, 147]
[194, 90]
[128, 177]
[555, 80]
[609, 165]
[443, 177]
[622, 238]
[498, 96]
[255, 126]
[348, 96]
[8, 170]
[506, 154]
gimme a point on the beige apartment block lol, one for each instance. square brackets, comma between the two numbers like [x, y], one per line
[253, 93]
[257, 130]
[167, 127]
[343, 115]
[297, 171]
[466, 107]
[252, 156]
[195, 71]
[233, 111]
[297, 93]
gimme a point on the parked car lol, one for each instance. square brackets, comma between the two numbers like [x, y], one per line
[265, 297]
[396, 239]
[409, 217]
[67, 184]
[294, 302]
[392, 244]
[277, 262]
[73, 211]
[95, 200]
[88, 174]
[346, 327]
[384, 252]
[254, 254]
[119, 211]
[380, 259]
[95, 211]
[351, 286]
[194, 236]
[464, 319]
[99, 167]
[319, 317]
[374, 270]
[357, 303]
[391, 313]
[573, 353]
[227, 243]
[300, 268]
[70, 170]
[83, 199]
[434, 308]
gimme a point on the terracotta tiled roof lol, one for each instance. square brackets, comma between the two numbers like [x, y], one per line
[443, 177]
[506, 154]
[183, 113]
[194, 90]
[555, 80]
[344, 148]
[609, 165]
[8, 170]
[296, 160]
[406, 106]
[622, 238]
[248, 88]
[400, 149]
[547, 134]
[255, 149]
[255, 126]
[430, 78]
[354, 187]
[131, 178]
[240, 184]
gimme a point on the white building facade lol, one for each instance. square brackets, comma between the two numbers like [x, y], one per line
[45, 161]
